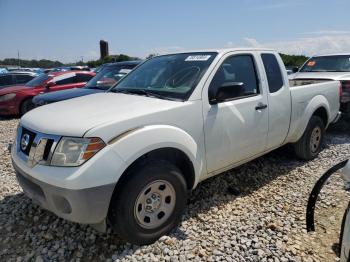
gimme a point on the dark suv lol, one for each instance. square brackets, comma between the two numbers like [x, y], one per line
[16, 78]
[104, 79]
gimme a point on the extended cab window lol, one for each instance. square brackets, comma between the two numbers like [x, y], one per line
[273, 72]
[237, 69]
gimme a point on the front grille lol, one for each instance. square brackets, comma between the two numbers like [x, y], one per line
[25, 148]
[35, 147]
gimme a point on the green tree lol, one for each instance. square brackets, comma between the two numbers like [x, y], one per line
[293, 60]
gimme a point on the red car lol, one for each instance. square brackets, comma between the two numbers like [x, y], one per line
[17, 100]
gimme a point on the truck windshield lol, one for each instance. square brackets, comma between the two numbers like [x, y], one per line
[108, 76]
[168, 76]
[338, 63]
[38, 81]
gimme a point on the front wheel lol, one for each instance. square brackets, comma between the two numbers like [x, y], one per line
[310, 144]
[149, 203]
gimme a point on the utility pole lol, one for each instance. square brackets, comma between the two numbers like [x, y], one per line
[19, 63]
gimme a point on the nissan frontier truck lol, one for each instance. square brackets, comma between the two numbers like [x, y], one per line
[128, 157]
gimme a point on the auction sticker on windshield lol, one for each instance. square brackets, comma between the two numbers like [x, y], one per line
[311, 63]
[198, 58]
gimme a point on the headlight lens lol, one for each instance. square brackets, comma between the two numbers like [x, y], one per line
[7, 97]
[72, 151]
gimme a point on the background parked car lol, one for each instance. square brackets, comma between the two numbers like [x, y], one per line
[16, 78]
[70, 68]
[3, 70]
[107, 77]
[325, 68]
[17, 100]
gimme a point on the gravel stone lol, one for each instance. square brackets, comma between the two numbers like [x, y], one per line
[255, 212]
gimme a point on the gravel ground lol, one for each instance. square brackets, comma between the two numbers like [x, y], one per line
[262, 217]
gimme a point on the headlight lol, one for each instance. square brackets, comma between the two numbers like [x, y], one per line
[7, 97]
[72, 151]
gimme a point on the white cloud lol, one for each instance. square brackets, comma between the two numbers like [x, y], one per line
[320, 42]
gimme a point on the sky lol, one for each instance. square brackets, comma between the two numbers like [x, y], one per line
[70, 30]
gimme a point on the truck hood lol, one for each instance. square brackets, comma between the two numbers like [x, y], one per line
[322, 75]
[74, 117]
[64, 95]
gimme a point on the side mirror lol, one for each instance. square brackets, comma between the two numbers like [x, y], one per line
[295, 69]
[50, 84]
[226, 92]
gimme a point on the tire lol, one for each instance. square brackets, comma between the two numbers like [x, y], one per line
[129, 208]
[26, 106]
[310, 144]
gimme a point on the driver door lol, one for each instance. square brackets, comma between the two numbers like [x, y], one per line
[237, 129]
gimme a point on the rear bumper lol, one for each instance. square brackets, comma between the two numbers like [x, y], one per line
[86, 206]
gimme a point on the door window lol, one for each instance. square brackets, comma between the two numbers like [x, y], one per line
[239, 69]
[22, 79]
[273, 72]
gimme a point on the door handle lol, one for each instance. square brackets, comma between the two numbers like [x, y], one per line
[261, 106]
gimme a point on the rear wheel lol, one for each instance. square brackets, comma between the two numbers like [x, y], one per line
[310, 144]
[149, 203]
[26, 106]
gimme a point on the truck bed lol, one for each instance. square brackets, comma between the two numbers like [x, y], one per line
[304, 97]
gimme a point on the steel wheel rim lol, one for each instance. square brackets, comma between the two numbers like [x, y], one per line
[155, 204]
[315, 140]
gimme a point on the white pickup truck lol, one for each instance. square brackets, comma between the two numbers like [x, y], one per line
[323, 68]
[130, 156]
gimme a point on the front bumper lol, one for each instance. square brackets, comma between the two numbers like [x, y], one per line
[86, 206]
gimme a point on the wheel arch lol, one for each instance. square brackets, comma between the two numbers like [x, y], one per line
[23, 100]
[318, 106]
[170, 154]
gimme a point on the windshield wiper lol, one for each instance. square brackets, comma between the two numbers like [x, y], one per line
[144, 93]
[97, 87]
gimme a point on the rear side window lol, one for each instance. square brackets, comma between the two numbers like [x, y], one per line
[83, 78]
[66, 81]
[239, 68]
[273, 72]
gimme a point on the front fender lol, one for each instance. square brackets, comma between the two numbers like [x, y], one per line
[142, 140]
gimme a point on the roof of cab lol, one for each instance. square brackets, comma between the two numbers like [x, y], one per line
[222, 50]
[336, 54]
